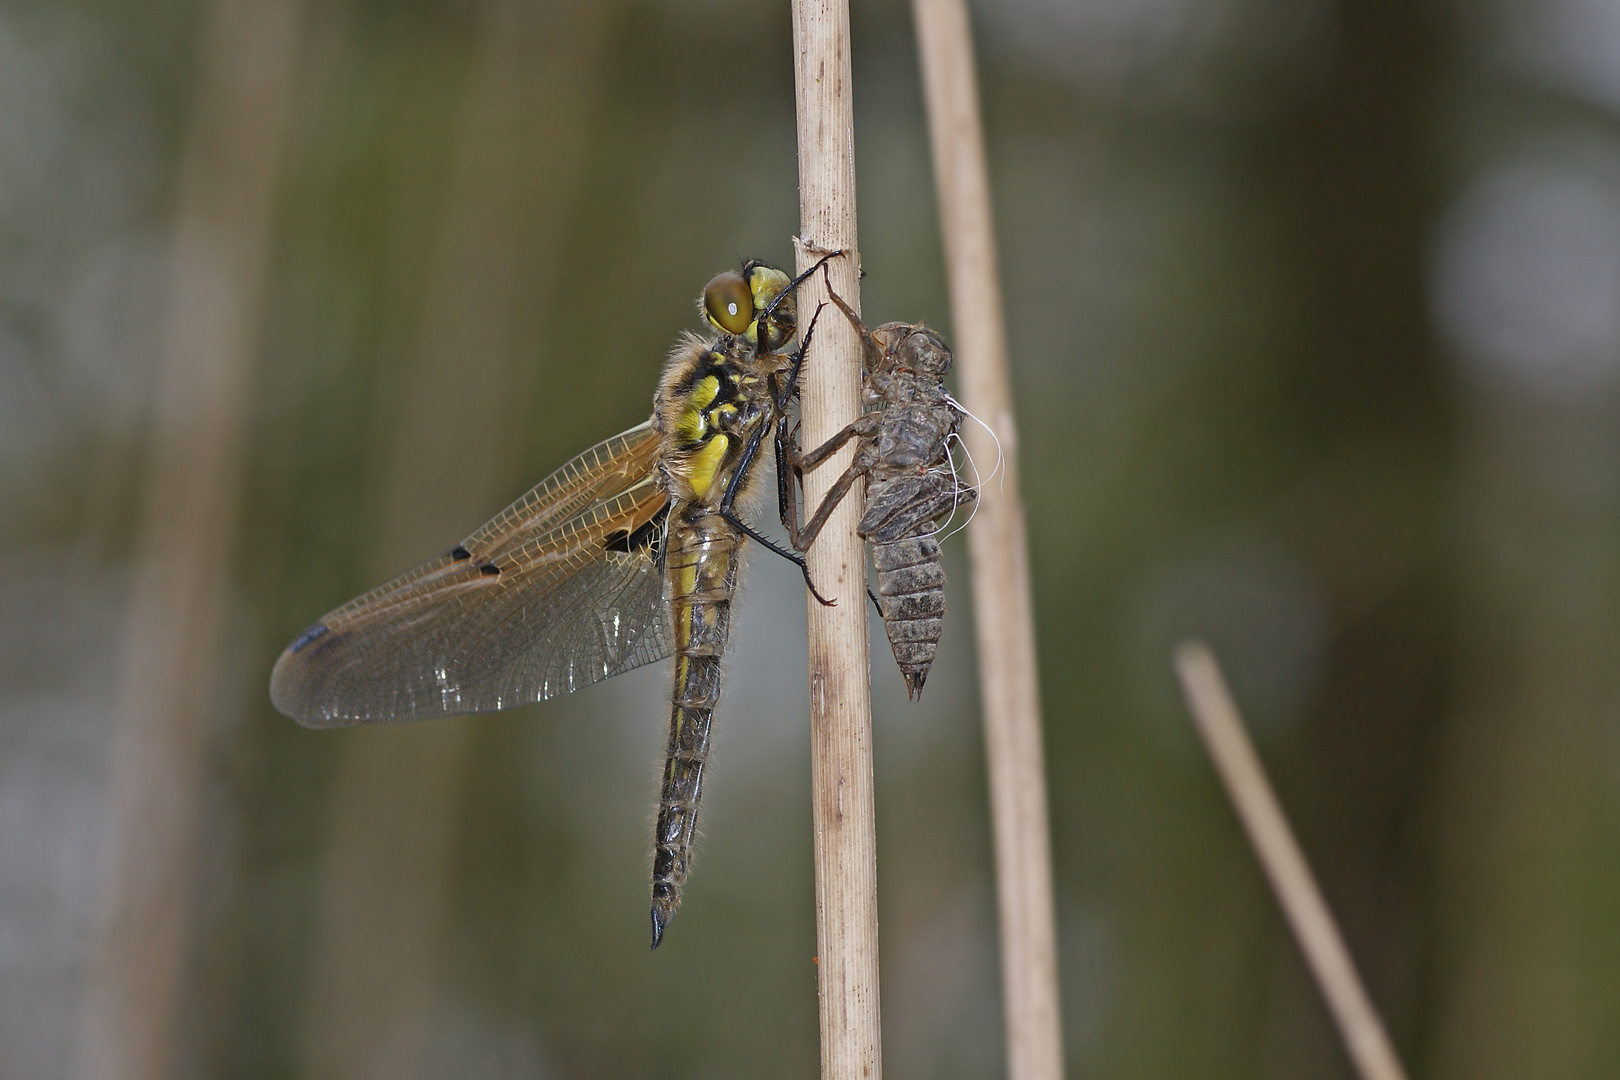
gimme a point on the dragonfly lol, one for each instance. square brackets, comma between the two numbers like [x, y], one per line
[903, 448]
[626, 555]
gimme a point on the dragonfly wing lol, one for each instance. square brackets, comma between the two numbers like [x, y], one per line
[562, 589]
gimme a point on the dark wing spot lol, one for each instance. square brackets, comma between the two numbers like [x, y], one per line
[489, 569]
[314, 633]
[644, 541]
[459, 553]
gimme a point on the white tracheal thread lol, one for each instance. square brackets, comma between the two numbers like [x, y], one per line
[1000, 457]
[978, 483]
[943, 530]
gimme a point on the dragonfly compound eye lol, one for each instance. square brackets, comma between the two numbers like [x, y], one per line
[728, 302]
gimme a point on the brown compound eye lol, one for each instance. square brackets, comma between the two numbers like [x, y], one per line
[729, 302]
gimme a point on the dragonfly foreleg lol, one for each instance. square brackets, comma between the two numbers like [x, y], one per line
[789, 389]
[728, 510]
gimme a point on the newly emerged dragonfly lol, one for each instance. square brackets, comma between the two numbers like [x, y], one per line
[627, 554]
[903, 447]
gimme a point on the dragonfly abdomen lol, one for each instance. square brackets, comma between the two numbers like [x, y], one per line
[701, 567]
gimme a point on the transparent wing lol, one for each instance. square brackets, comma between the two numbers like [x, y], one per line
[562, 589]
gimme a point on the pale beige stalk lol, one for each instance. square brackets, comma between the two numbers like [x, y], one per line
[222, 235]
[840, 675]
[1245, 779]
[1003, 613]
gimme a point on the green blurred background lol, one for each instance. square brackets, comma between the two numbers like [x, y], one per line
[1315, 321]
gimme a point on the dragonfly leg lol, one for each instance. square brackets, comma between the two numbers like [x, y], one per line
[835, 495]
[770, 309]
[788, 502]
[727, 500]
[811, 458]
[782, 394]
[791, 556]
[790, 389]
[870, 353]
[787, 495]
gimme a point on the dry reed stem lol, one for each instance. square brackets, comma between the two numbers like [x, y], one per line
[1000, 558]
[1235, 760]
[220, 264]
[840, 690]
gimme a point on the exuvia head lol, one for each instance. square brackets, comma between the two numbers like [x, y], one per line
[910, 347]
[923, 351]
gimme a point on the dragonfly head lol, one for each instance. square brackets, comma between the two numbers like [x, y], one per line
[735, 301]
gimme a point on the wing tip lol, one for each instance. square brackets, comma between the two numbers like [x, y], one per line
[288, 683]
[313, 634]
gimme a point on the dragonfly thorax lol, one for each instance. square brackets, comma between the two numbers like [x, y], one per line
[712, 399]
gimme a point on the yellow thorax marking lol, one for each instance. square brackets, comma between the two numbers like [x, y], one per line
[689, 425]
[704, 391]
[717, 414]
[704, 463]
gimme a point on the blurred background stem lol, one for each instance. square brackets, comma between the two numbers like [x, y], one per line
[396, 807]
[1003, 607]
[170, 666]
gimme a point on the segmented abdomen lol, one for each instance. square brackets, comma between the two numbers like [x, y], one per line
[911, 590]
[899, 522]
[701, 562]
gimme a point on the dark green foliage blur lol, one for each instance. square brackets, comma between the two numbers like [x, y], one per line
[1271, 392]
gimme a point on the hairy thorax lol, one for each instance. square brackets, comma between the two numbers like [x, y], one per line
[714, 395]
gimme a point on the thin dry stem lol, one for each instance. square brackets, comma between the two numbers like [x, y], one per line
[840, 691]
[220, 262]
[1001, 588]
[1224, 736]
